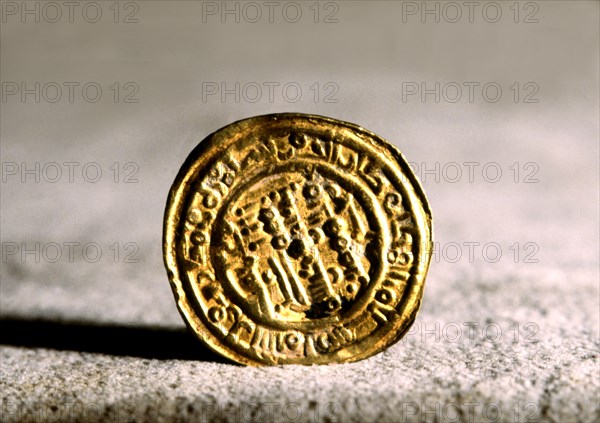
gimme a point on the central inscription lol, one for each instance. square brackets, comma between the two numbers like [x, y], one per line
[297, 246]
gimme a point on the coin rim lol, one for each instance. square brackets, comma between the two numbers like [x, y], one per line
[175, 202]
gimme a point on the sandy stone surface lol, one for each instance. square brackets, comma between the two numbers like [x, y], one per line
[509, 328]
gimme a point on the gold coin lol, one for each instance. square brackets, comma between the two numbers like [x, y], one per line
[297, 239]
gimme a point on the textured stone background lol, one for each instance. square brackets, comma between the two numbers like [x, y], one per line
[496, 340]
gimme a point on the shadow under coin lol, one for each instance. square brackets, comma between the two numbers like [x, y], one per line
[118, 340]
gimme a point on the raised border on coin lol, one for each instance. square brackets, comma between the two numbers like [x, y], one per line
[231, 300]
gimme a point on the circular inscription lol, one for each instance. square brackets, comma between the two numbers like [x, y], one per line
[294, 238]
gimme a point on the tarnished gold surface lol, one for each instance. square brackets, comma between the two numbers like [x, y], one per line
[294, 238]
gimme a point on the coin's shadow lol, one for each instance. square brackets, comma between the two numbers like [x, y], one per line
[116, 340]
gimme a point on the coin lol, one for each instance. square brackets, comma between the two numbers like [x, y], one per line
[297, 239]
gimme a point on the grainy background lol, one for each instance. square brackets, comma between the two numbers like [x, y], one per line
[95, 334]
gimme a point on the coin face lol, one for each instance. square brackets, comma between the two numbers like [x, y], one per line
[297, 239]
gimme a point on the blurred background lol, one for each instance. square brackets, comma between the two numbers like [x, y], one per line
[494, 104]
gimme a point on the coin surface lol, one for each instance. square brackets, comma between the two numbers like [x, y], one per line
[297, 239]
